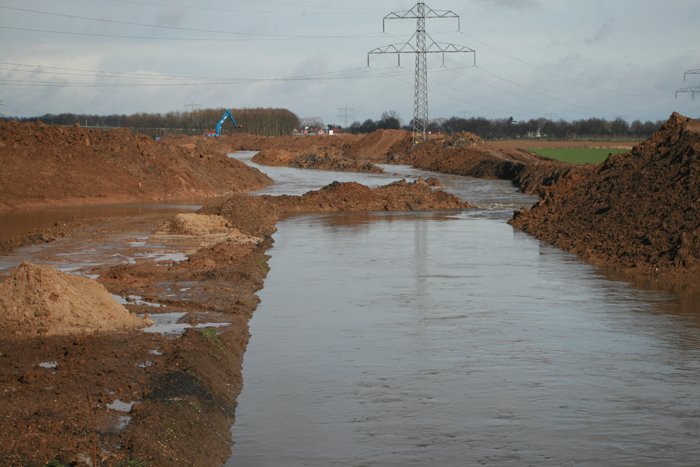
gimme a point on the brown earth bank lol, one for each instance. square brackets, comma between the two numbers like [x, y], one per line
[319, 161]
[467, 154]
[461, 154]
[638, 211]
[61, 394]
[373, 147]
[47, 164]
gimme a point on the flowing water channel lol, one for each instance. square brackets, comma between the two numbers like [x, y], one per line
[450, 339]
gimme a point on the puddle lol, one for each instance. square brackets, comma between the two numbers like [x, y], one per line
[121, 406]
[168, 324]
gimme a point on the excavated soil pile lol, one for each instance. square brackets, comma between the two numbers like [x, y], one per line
[466, 154]
[397, 196]
[374, 146]
[38, 300]
[205, 229]
[257, 215]
[48, 163]
[318, 161]
[638, 209]
[195, 224]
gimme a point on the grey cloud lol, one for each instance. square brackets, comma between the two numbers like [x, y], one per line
[516, 4]
[171, 17]
[605, 30]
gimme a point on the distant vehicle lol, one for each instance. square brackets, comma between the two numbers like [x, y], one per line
[221, 122]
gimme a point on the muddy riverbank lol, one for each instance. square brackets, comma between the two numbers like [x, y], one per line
[637, 211]
[161, 397]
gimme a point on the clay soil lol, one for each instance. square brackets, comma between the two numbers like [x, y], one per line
[638, 211]
[325, 160]
[49, 165]
[61, 394]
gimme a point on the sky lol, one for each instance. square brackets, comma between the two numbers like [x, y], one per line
[555, 59]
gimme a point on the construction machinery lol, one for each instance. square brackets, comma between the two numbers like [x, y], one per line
[221, 122]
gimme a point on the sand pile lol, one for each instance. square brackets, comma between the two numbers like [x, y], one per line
[639, 209]
[39, 300]
[210, 229]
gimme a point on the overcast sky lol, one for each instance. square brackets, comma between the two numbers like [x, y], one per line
[558, 59]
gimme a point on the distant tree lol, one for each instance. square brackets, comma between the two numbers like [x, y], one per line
[390, 121]
[311, 122]
[619, 127]
[368, 126]
[354, 128]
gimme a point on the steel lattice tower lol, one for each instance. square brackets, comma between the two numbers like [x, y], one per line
[692, 90]
[424, 44]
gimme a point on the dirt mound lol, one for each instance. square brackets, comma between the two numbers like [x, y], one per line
[379, 144]
[49, 163]
[323, 160]
[274, 157]
[464, 139]
[252, 215]
[352, 196]
[195, 224]
[636, 210]
[374, 146]
[206, 229]
[38, 300]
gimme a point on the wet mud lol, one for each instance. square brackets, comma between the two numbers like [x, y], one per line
[637, 211]
[166, 395]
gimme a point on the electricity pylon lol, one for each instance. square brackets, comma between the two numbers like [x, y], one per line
[346, 115]
[424, 44]
[693, 89]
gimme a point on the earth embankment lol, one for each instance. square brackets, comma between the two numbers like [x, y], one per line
[373, 147]
[638, 211]
[50, 164]
[467, 154]
[324, 160]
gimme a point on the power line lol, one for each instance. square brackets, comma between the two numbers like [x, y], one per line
[424, 45]
[693, 89]
[314, 11]
[283, 36]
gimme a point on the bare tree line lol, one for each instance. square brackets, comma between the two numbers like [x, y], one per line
[508, 128]
[268, 122]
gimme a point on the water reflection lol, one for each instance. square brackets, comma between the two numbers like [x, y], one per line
[443, 339]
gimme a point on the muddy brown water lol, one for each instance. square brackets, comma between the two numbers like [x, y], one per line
[451, 339]
[18, 221]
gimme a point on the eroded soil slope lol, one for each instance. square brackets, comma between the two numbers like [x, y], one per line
[466, 154]
[374, 146]
[637, 210]
[47, 164]
[324, 160]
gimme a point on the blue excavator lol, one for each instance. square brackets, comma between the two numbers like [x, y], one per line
[221, 122]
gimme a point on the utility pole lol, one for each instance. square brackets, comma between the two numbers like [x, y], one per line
[464, 114]
[346, 115]
[693, 89]
[424, 44]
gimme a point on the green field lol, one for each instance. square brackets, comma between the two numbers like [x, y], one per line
[578, 156]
